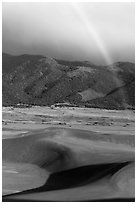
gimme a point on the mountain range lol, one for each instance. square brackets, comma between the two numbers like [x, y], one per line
[40, 80]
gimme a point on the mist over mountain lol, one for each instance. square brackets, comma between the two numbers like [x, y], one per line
[40, 80]
[102, 33]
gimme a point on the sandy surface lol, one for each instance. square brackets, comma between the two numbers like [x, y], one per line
[100, 190]
[18, 177]
[86, 136]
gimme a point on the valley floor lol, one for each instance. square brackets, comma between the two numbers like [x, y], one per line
[20, 120]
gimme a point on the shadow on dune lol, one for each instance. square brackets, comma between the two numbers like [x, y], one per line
[72, 164]
[78, 177]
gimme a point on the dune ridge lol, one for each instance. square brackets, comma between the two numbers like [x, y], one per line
[59, 149]
[80, 165]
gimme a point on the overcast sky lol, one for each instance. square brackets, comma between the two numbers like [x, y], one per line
[98, 32]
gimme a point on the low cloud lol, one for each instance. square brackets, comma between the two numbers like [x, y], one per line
[62, 30]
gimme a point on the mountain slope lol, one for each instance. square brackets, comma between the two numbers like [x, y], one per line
[40, 80]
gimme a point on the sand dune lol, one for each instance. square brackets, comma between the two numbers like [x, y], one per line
[66, 186]
[60, 149]
[82, 165]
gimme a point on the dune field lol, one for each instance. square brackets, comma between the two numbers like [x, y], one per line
[68, 154]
